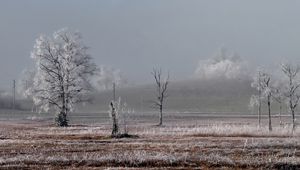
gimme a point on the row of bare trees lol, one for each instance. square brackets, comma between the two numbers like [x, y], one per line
[282, 91]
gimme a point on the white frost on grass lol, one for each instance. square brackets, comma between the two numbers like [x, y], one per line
[221, 130]
[135, 157]
[71, 130]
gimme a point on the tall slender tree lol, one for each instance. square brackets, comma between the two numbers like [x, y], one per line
[267, 94]
[256, 99]
[161, 91]
[292, 92]
[262, 82]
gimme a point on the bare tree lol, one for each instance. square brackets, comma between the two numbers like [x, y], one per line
[63, 69]
[161, 91]
[256, 99]
[267, 94]
[292, 89]
[262, 82]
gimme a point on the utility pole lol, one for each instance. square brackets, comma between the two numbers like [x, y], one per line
[259, 99]
[14, 94]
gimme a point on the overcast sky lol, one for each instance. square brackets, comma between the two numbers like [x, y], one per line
[136, 35]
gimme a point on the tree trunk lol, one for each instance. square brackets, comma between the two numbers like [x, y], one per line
[293, 117]
[269, 109]
[61, 119]
[160, 116]
[115, 128]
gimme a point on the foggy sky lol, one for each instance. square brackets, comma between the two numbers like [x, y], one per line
[136, 35]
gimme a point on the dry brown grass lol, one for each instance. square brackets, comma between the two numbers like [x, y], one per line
[41, 146]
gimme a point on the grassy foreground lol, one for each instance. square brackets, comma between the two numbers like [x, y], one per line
[225, 146]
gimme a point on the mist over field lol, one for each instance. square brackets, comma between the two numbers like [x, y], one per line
[221, 83]
[194, 41]
[149, 84]
[198, 43]
[138, 35]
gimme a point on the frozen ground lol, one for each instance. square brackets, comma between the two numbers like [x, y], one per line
[187, 141]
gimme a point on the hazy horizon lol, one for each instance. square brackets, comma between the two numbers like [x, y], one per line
[137, 35]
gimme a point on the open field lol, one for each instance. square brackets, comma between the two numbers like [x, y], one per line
[186, 142]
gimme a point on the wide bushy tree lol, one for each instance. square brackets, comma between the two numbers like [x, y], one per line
[63, 71]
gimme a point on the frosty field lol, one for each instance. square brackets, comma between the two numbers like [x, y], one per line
[142, 84]
[186, 141]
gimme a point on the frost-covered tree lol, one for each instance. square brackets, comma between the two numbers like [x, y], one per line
[222, 65]
[161, 91]
[291, 91]
[63, 71]
[256, 100]
[262, 83]
[267, 94]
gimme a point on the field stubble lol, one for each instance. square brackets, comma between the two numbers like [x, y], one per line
[212, 145]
